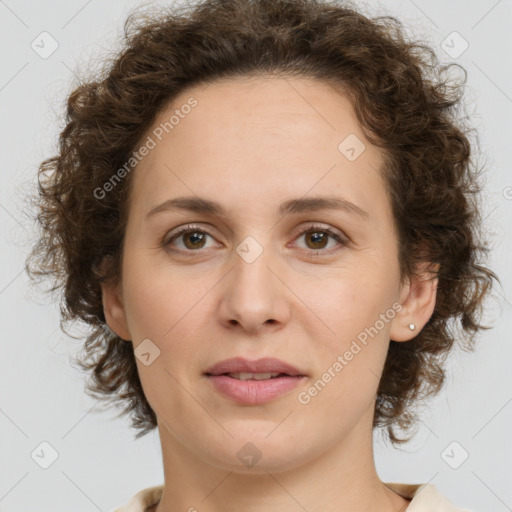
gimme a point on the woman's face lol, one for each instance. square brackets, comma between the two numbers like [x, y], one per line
[255, 282]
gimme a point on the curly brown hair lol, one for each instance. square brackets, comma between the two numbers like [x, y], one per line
[405, 102]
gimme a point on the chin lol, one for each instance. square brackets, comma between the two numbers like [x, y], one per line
[253, 457]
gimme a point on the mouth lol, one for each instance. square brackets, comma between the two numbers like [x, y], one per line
[254, 382]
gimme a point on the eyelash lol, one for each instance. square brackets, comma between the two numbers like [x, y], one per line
[311, 229]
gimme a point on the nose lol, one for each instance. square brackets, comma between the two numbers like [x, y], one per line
[255, 294]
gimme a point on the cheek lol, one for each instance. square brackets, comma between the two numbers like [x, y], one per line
[159, 300]
[356, 312]
[349, 300]
[352, 347]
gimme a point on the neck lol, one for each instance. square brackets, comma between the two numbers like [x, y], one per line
[343, 479]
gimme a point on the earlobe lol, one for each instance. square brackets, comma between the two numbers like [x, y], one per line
[113, 309]
[418, 301]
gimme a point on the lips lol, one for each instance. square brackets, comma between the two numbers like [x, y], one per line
[238, 365]
[254, 382]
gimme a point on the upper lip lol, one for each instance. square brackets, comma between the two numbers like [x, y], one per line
[264, 365]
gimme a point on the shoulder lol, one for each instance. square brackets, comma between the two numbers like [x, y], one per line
[142, 500]
[425, 498]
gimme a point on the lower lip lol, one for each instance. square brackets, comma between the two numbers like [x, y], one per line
[254, 392]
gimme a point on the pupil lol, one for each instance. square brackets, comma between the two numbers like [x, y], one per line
[317, 237]
[194, 236]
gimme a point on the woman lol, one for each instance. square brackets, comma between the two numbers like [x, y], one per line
[265, 212]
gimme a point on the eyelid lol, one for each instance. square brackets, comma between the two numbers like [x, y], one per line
[320, 227]
[175, 233]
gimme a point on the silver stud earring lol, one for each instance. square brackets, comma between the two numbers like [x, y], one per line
[412, 327]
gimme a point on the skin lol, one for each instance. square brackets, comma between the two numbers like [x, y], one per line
[250, 144]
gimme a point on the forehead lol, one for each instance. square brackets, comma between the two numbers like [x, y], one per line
[267, 104]
[251, 138]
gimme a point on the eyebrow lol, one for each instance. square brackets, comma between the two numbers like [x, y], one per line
[201, 205]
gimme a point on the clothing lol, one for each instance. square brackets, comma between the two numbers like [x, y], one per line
[425, 498]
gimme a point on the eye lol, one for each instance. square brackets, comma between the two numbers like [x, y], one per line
[193, 238]
[317, 238]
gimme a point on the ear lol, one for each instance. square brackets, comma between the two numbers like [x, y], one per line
[113, 308]
[418, 300]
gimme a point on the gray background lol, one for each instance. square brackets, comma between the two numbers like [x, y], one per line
[99, 465]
